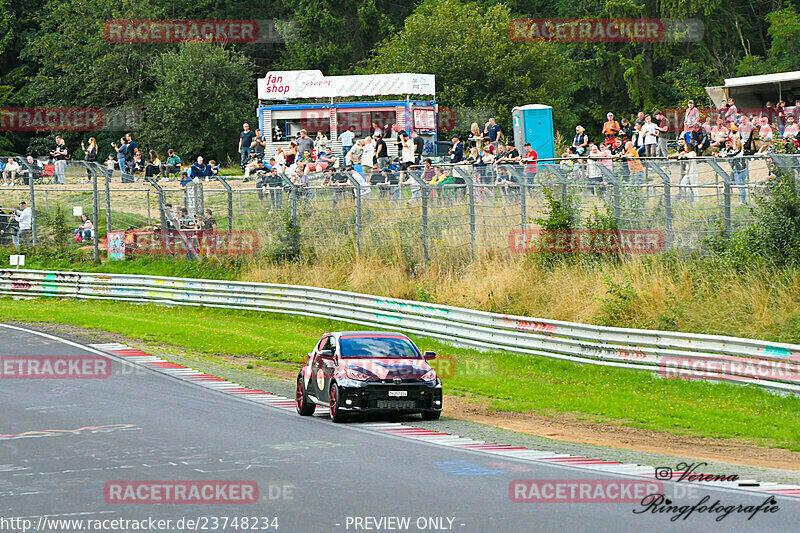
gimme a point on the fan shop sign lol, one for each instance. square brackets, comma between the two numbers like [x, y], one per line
[289, 84]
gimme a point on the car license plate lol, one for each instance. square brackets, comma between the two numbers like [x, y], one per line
[398, 393]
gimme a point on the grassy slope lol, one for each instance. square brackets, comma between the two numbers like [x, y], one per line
[506, 381]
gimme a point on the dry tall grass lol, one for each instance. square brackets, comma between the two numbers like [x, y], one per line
[663, 292]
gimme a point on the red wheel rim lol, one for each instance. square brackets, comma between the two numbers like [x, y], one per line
[299, 396]
[333, 400]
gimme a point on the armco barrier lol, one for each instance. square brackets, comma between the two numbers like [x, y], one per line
[743, 361]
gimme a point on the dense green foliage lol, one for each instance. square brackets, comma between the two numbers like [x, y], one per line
[52, 53]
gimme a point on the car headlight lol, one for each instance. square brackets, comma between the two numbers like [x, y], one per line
[430, 375]
[355, 374]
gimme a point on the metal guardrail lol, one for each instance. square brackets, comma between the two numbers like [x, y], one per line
[775, 366]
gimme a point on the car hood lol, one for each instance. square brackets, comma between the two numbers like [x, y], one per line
[390, 368]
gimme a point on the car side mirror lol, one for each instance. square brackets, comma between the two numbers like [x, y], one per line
[429, 355]
[326, 354]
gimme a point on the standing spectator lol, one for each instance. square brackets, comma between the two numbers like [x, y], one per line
[650, 134]
[407, 151]
[639, 118]
[594, 173]
[688, 182]
[638, 139]
[381, 152]
[131, 151]
[304, 142]
[24, 216]
[732, 112]
[60, 155]
[625, 131]
[493, 131]
[733, 150]
[580, 142]
[368, 157]
[662, 126]
[780, 116]
[258, 145]
[635, 168]
[10, 172]
[457, 150]
[172, 165]
[355, 154]
[321, 143]
[245, 140]
[769, 112]
[475, 136]
[419, 146]
[797, 111]
[690, 117]
[121, 150]
[153, 166]
[90, 157]
[531, 166]
[610, 129]
[347, 137]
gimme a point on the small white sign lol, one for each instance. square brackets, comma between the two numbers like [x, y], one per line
[77, 211]
[17, 260]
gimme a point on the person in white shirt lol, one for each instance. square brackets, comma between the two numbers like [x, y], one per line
[347, 137]
[10, 172]
[363, 185]
[407, 155]
[368, 156]
[24, 216]
[650, 137]
[688, 183]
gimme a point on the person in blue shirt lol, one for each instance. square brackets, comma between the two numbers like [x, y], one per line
[493, 131]
[199, 169]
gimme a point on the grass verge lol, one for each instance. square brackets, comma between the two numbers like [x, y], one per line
[504, 381]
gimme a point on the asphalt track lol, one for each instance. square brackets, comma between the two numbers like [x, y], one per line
[62, 441]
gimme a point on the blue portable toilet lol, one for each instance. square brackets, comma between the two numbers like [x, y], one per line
[534, 124]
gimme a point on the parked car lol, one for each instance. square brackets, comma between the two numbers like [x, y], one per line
[368, 371]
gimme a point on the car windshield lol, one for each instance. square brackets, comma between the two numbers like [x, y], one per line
[387, 347]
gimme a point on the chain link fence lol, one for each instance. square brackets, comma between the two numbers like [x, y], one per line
[420, 213]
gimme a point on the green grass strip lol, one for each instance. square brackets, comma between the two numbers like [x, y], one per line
[506, 381]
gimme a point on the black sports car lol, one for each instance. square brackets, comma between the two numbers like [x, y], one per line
[368, 371]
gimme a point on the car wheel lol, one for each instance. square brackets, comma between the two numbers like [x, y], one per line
[337, 415]
[304, 407]
[431, 415]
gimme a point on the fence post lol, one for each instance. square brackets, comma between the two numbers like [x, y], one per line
[32, 200]
[149, 218]
[107, 174]
[230, 202]
[726, 191]
[95, 219]
[357, 189]
[668, 236]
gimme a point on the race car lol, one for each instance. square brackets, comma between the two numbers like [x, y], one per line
[368, 371]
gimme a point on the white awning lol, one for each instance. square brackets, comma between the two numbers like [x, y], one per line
[763, 79]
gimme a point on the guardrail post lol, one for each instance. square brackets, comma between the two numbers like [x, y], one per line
[95, 219]
[149, 218]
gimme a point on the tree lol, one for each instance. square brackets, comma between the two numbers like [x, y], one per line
[476, 65]
[202, 94]
[784, 33]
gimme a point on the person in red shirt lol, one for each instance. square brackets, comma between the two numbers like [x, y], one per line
[531, 167]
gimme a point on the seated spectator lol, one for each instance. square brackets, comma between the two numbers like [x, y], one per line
[719, 133]
[84, 231]
[324, 161]
[10, 172]
[699, 139]
[505, 181]
[198, 170]
[153, 167]
[791, 129]
[213, 170]
[171, 166]
[138, 163]
[765, 134]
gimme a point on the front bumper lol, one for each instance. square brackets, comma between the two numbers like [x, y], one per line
[370, 396]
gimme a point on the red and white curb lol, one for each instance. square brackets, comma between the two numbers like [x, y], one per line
[431, 436]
